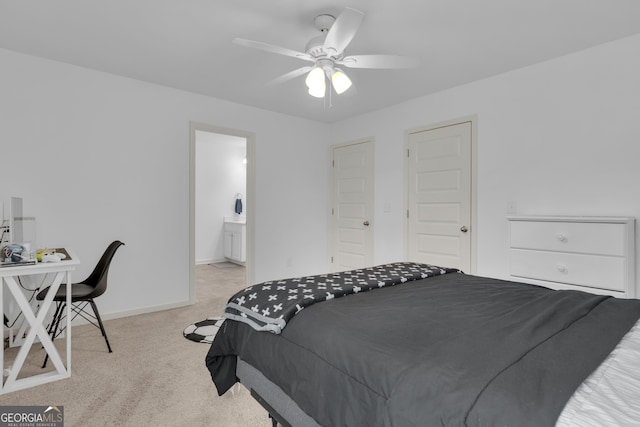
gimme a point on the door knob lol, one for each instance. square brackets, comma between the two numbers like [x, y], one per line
[366, 223]
[464, 229]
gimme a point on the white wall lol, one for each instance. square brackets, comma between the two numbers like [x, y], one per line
[561, 137]
[220, 176]
[98, 157]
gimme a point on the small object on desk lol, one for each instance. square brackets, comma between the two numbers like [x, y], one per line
[51, 255]
[51, 258]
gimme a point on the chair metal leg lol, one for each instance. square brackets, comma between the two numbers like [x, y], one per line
[56, 329]
[104, 332]
[53, 327]
[55, 316]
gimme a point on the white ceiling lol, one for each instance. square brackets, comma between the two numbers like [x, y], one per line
[186, 44]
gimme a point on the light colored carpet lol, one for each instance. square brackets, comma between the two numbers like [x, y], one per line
[154, 377]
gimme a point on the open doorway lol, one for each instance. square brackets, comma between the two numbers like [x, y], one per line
[221, 198]
[221, 202]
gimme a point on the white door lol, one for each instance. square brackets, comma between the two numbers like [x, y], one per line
[439, 196]
[351, 232]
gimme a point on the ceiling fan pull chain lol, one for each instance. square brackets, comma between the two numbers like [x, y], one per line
[330, 94]
[324, 103]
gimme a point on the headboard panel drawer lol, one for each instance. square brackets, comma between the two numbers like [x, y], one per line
[596, 254]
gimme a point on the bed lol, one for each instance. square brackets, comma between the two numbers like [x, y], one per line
[430, 349]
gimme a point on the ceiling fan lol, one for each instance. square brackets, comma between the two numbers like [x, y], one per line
[327, 53]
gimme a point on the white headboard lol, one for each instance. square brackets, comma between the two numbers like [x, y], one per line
[594, 254]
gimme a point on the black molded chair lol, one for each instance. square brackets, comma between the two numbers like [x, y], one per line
[82, 295]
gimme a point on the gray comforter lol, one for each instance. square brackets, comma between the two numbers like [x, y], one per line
[450, 350]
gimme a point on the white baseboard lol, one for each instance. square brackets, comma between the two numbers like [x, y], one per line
[134, 312]
[144, 310]
[215, 261]
[210, 261]
[78, 321]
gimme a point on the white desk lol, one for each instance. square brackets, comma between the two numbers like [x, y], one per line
[62, 270]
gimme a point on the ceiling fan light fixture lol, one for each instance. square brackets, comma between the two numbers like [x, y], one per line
[316, 83]
[328, 50]
[318, 92]
[340, 81]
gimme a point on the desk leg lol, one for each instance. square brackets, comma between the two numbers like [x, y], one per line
[2, 330]
[37, 329]
[68, 308]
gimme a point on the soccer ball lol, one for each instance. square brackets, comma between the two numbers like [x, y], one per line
[203, 331]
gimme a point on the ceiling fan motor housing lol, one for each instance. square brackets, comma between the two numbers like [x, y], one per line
[324, 22]
[315, 46]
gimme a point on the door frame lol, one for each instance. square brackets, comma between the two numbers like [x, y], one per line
[473, 119]
[250, 137]
[331, 228]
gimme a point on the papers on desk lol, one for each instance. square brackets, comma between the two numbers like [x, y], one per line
[16, 264]
[14, 255]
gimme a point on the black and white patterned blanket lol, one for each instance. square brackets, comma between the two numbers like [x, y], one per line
[268, 306]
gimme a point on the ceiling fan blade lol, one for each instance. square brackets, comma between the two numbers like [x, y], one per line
[379, 61]
[342, 31]
[273, 49]
[290, 75]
